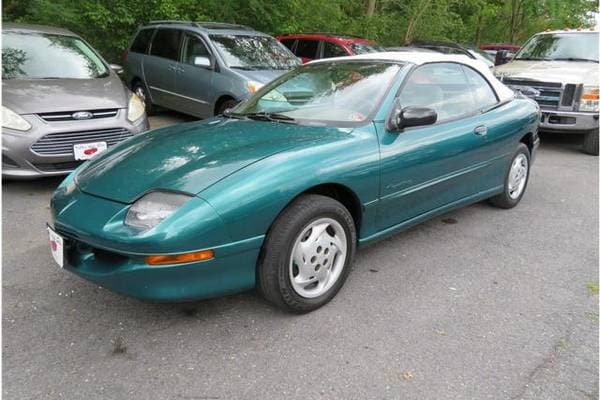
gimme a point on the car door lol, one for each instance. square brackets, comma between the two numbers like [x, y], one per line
[194, 80]
[160, 66]
[426, 168]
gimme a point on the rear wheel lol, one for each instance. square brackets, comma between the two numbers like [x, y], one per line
[307, 254]
[590, 143]
[140, 90]
[515, 181]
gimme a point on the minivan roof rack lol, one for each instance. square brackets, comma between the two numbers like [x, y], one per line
[205, 25]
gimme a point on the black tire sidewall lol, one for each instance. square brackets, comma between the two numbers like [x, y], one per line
[225, 105]
[590, 143]
[278, 252]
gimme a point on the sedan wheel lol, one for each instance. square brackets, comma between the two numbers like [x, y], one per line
[515, 181]
[307, 254]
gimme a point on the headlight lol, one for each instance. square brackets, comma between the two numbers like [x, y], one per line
[153, 208]
[12, 120]
[253, 86]
[135, 110]
[589, 99]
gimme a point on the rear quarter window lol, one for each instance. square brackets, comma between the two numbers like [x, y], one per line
[141, 41]
[289, 43]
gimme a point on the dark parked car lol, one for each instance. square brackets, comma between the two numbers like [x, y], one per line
[314, 46]
[61, 102]
[202, 68]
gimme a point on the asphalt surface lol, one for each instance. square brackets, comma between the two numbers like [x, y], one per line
[480, 303]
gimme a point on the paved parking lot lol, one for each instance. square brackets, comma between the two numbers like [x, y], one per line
[480, 303]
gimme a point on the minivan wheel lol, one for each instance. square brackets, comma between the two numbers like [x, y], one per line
[225, 105]
[307, 254]
[590, 143]
[140, 90]
[515, 181]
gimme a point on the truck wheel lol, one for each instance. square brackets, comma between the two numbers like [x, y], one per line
[590, 143]
[307, 254]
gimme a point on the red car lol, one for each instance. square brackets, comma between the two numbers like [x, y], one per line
[312, 46]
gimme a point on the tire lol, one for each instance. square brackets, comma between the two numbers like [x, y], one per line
[140, 90]
[590, 143]
[279, 278]
[510, 196]
[225, 105]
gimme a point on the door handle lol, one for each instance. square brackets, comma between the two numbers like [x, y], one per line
[481, 130]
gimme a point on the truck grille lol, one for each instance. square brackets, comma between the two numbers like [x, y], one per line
[550, 94]
[62, 143]
[69, 115]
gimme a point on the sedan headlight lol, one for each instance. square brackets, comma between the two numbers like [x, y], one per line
[136, 108]
[253, 86]
[12, 120]
[153, 208]
[589, 99]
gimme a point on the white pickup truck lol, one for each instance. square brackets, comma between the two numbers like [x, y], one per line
[559, 70]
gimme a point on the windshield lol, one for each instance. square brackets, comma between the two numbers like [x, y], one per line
[346, 92]
[362, 48]
[254, 52]
[27, 55]
[561, 46]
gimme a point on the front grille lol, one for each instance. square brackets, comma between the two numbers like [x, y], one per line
[55, 144]
[58, 167]
[68, 115]
[550, 92]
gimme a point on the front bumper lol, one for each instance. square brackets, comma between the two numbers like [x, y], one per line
[568, 121]
[19, 161]
[231, 271]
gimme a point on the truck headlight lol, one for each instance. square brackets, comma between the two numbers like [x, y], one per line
[135, 109]
[12, 120]
[589, 99]
[154, 207]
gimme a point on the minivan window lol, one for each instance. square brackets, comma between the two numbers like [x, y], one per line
[33, 55]
[194, 47]
[166, 44]
[253, 52]
[561, 46]
[307, 48]
[142, 40]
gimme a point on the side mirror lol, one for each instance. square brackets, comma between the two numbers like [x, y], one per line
[501, 57]
[117, 68]
[411, 116]
[200, 61]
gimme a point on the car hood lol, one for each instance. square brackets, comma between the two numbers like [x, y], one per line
[191, 157]
[262, 76]
[31, 96]
[551, 71]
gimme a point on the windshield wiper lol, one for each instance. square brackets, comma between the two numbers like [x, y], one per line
[575, 59]
[273, 117]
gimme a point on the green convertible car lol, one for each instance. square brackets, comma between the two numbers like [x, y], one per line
[278, 192]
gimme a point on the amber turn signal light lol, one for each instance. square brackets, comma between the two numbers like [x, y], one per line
[593, 94]
[181, 258]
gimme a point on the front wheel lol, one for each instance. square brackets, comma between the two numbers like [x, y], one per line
[307, 254]
[140, 90]
[590, 143]
[515, 181]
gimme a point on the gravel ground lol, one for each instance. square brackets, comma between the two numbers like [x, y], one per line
[479, 303]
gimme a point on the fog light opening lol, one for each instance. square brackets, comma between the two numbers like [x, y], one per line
[203, 255]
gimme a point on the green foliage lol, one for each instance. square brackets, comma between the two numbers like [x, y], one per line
[109, 24]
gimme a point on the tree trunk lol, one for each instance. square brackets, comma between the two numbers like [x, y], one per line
[478, 29]
[413, 21]
[371, 7]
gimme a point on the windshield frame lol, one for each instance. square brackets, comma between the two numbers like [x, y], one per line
[213, 38]
[369, 119]
[106, 74]
[519, 54]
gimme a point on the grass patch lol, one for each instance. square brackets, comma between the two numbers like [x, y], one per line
[593, 287]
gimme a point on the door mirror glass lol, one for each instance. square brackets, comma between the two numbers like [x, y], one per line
[412, 116]
[202, 61]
